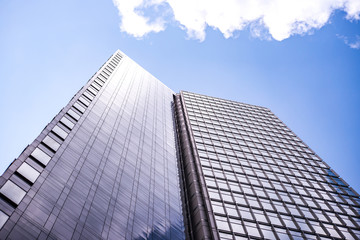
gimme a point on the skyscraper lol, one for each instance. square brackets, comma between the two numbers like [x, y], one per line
[255, 178]
[128, 158]
[104, 167]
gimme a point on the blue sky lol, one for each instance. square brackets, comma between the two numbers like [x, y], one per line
[310, 79]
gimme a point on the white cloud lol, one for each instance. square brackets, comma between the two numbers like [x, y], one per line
[354, 43]
[352, 8]
[279, 19]
[133, 20]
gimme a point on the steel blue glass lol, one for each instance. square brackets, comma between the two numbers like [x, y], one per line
[115, 173]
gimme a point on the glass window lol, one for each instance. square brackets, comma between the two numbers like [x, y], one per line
[12, 192]
[285, 197]
[288, 221]
[348, 222]
[28, 172]
[210, 182]
[217, 207]
[231, 210]
[88, 95]
[317, 227]
[260, 216]
[266, 204]
[244, 212]
[323, 204]
[267, 232]
[297, 199]
[293, 210]
[302, 224]
[253, 201]
[225, 235]
[73, 114]
[92, 90]
[214, 194]
[50, 142]
[226, 196]
[346, 233]
[234, 187]
[296, 235]
[307, 212]
[242, 178]
[222, 223]
[67, 122]
[79, 107]
[84, 101]
[274, 219]
[239, 199]
[252, 229]
[3, 218]
[237, 226]
[222, 184]
[60, 132]
[272, 194]
[331, 229]
[41, 156]
[259, 192]
[310, 201]
[334, 218]
[97, 83]
[247, 190]
[279, 206]
[282, 234]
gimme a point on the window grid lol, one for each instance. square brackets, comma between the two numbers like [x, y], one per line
[263, 179]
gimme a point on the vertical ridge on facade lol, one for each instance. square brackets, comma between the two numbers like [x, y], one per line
[201, 224]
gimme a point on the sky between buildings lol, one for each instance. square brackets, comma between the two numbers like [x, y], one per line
[301, 59]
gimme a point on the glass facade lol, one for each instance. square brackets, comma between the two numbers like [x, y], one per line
[127, 158]
[261, 180]
[104, 168]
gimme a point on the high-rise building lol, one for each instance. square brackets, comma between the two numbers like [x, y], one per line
[104, 168]
[254, 178]
[127, 158]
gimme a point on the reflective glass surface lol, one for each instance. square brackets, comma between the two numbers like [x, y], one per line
[263, 181]
[115, 175]
[41, 156]
[50, 142]
[28, 172]
[12, 192]
[3, 218]
[67, 122]
[60, 132]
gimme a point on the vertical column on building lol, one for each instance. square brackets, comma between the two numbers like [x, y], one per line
[198, 211]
